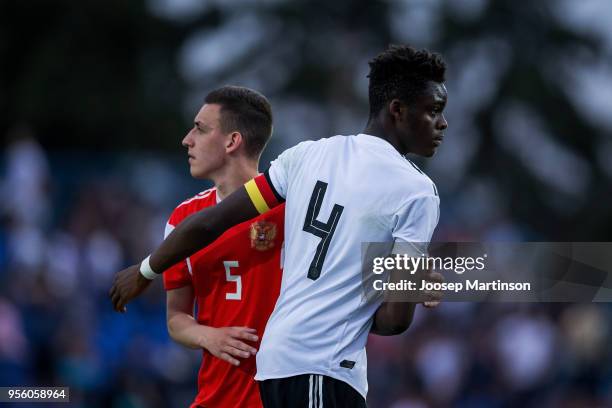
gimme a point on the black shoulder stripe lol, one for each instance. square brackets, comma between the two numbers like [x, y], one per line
[414, 165]
[278, 196]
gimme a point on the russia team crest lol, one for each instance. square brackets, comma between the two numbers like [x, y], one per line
[262, 235]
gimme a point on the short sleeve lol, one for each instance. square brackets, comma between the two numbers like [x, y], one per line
[282, 168]
[177, 276]
[416, 221]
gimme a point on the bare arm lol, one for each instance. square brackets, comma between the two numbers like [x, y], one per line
[225, 343]
[191, 235]
[202, 228]
[182, 327]
[394, 317]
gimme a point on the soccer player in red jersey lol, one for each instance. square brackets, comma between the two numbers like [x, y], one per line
[236, 280]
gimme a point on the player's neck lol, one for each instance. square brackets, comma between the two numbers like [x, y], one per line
[234, 176]
[377, 129]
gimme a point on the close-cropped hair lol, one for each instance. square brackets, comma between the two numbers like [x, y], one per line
[246, 111]
[402, 72]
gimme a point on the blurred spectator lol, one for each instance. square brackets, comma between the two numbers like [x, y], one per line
[26, 185]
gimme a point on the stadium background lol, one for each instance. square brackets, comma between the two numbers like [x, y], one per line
[96, 96]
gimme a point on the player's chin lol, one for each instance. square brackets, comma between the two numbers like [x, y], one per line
[197, 173]
[428, 151]
[433, 148]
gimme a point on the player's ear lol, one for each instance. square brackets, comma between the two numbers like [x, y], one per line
[233, 142]
[396, 109]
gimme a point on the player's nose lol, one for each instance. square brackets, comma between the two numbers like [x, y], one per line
[442, 123]
[187, 140]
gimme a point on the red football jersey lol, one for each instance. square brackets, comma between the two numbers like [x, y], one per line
[236, 281]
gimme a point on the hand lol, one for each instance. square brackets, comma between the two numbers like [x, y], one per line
[434, 296]
[128, 284]
[225, 343]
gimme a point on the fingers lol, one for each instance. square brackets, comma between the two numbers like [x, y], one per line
[432, 297]
[243, 347]
[226, 357]
[114, 294]
[118, 302]
[115, 297]
[245, 333]
[120, 307]
[435, 277]
[125, 287]
[115, 300]
[235, 352]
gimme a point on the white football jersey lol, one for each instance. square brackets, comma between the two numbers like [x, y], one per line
[339, 192]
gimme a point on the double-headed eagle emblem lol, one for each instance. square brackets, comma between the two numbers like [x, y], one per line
[262, 235]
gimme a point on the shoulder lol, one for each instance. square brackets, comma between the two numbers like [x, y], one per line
[326, 145]
[320, 143]
[415, 183]
[422, 180]
[294, 157]
[337, 140]
[199, 199]
[206, 198]
[298, 149]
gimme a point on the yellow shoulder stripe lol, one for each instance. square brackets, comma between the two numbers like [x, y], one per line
[256, 197]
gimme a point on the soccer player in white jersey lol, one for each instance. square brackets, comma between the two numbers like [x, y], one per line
[339, 192]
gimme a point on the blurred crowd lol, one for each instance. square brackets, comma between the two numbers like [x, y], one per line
[64, 235]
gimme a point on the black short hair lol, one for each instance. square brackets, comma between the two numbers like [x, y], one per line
[246, 111]
[402, 72]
